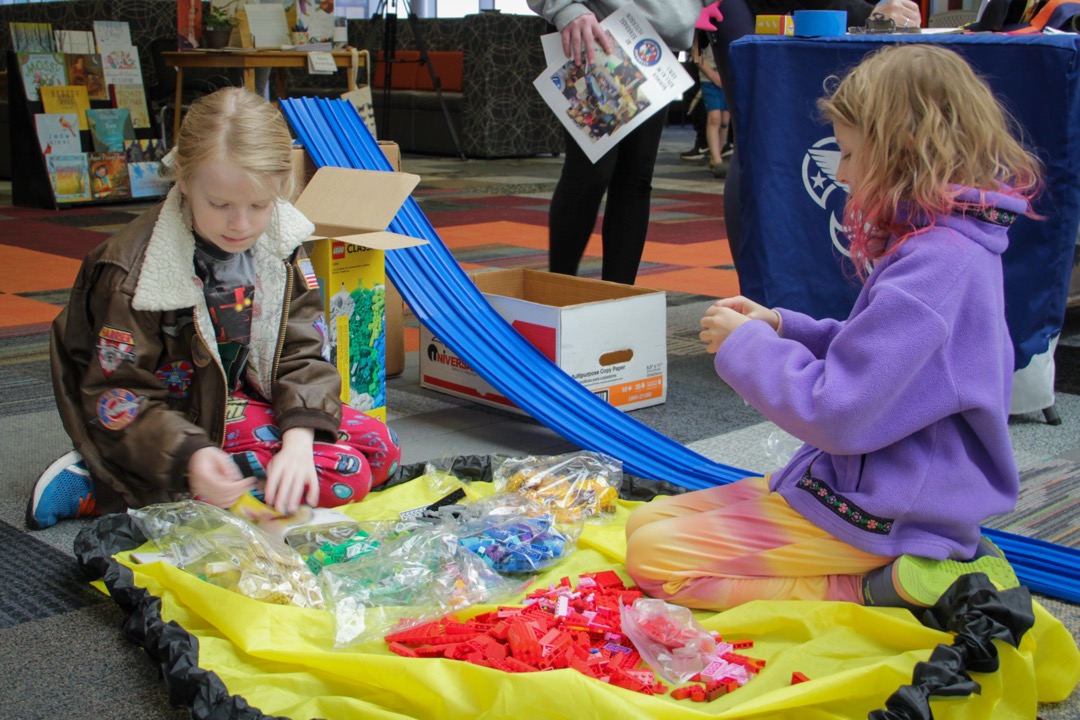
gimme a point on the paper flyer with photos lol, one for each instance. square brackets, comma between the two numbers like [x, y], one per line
[600, 104]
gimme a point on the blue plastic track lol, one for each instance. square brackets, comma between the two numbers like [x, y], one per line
[449, 304]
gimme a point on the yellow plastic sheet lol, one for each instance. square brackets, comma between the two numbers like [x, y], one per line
[281, 659]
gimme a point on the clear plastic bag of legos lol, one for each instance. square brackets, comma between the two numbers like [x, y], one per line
[574, 486]
[411, 579]
[225, 550]
[514, 534]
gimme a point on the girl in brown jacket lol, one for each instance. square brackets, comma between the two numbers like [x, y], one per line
[189, 359]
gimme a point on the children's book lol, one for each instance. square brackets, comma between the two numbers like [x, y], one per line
[109, 176]
[70, 177]
[133, 99]
[188, 24]
[144, 167]
[58, 134]
[32, 37]
[140, 150]
[122, 66]
[74, 41]
[111, 34]
[66, 99]
[110, 128]
[85, 69]
[315, 17]
[39, 69]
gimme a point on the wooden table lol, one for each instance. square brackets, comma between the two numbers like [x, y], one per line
[247, 61]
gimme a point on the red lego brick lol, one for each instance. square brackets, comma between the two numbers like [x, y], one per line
[402, 650]
[798, 677]
[681, 693]
[742, 644]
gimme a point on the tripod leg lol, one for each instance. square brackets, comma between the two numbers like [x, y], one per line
[426, 60]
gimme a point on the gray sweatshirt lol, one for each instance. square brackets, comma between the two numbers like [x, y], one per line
[673, 19]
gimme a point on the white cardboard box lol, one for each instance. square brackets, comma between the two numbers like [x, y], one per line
[612, 338]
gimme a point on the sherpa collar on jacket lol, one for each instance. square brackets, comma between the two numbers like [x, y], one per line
[165, 280]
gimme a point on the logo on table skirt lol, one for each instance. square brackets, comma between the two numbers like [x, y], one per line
[819, 166]
[114, 346]
[647, 52]
[176, 377]
[117, 408]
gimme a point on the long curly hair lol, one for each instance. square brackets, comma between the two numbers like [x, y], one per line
[930, 127]
[235, 125]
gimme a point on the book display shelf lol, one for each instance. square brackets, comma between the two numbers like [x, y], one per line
[81, 132]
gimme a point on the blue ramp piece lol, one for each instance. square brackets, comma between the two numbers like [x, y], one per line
[448, 303]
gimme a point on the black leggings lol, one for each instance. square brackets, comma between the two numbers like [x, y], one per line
[625, 172]
[738, 21]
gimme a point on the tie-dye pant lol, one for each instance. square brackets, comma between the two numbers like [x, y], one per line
[721, 547]
[365, 455]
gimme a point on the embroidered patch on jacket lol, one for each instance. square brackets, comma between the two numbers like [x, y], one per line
[176, 377]
[117, 408]
[844, 508]
[114, 346]
[308, 271]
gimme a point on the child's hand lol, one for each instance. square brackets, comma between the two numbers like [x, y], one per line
[291, 476]
[718, 323]
[751, 309]
[213, 477]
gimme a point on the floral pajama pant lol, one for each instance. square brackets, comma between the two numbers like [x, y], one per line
[365, 455]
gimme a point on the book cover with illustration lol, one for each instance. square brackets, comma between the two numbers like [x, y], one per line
[133, 99]
[58, 134]
[85, 69]
[109, 176]
[66, 99]
[110, 128]
[144, 167]
[188, 24]
[70, 177]
[32, 37]
[122, 66]
[111, 34]
[39, 69]
[315, 17]
[74, 41]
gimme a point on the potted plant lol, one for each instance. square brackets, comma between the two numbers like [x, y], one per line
[217, 27]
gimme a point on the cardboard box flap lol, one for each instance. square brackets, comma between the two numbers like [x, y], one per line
[546, 288]
[344, 201]
[374, 240]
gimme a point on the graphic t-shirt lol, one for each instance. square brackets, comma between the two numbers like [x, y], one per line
[229, 288]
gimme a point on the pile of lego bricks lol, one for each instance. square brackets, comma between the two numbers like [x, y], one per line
[580, 628]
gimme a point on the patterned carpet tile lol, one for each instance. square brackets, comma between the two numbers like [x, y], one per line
[50, 237]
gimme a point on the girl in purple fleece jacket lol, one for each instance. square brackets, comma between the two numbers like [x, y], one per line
[903, 407]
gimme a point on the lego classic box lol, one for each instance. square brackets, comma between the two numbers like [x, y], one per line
[611, 338]
[347, 255]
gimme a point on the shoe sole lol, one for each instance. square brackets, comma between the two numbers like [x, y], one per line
[69, 458]
[922, 581]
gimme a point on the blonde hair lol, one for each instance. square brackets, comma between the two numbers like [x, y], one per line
[236, 126]
[930, 128]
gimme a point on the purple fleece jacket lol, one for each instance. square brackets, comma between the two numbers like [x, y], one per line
[903, 406]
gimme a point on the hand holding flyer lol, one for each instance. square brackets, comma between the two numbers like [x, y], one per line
[600, 103]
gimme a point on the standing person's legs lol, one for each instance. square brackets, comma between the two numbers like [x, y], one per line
[725, 546]
[626, 214]
[575, 205]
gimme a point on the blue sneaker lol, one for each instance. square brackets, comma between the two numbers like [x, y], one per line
[63, 491]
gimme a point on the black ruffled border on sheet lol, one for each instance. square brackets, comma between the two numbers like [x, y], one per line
[979, 614]
[972, 608]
